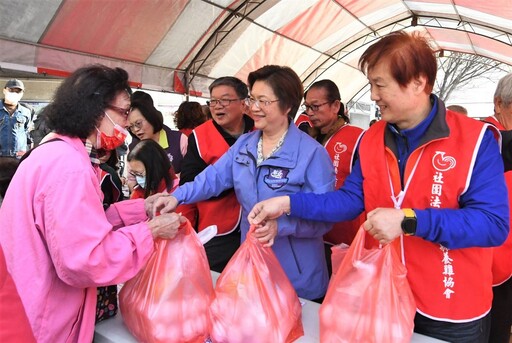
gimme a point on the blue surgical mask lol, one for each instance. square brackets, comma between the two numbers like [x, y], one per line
[141, 181]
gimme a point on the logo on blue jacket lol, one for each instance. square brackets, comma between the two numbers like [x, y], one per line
[276, 178]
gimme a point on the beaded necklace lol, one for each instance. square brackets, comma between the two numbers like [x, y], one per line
[262, 158]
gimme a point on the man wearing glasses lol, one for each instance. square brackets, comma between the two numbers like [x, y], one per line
[331, 128]
[206, 144]
[14, 120]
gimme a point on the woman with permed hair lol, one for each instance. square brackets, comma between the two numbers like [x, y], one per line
[57, 238]
[188, 116]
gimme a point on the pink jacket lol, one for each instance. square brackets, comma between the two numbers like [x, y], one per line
[59, 244]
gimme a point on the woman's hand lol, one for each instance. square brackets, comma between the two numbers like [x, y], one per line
[149, 203]
[266, 232]
[269, 209]
[160, 203]
[166, 226]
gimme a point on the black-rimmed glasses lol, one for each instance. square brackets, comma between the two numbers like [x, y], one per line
[222, 102]
[314, 107]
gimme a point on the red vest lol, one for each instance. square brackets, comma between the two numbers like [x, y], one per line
[225, 211]
[502, 257]
[303, 118]
[448, 285]
[341, 148]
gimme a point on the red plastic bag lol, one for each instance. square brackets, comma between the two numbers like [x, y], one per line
[254, 300]
[169, 300]
[369, 300]
[338, 253]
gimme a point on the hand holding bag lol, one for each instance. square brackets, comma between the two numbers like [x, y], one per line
[369, 299]
[254, 300]
[169, 300]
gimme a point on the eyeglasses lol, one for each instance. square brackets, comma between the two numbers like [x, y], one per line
[136, 126]
[222, 102]
[258, 103]
[119, 110]
[135, 174]
[314, 107]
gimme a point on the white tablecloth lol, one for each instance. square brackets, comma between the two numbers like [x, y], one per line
[114, 331]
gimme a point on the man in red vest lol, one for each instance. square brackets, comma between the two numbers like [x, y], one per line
[207, 143]
[501, 312]
[332, 129]
[431, 183]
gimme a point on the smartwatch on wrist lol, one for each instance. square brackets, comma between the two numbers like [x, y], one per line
[409, 223]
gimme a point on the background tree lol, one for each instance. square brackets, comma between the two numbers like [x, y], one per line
[457, 70]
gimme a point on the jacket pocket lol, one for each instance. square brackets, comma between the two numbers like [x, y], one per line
[294, 254]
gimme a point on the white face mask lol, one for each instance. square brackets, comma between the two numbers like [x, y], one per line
[12, 98]
[141, 181]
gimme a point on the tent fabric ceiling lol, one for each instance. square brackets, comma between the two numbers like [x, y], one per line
[182, 45]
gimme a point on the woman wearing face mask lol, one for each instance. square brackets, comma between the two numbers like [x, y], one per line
[151, 168]
[58, 241]
[14, 119]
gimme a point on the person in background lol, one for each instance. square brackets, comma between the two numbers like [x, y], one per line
[501, 313]
[277, 158]
[458, 108]
[110, 180]
[373, 121]
[14, 121]
[206, 144]
[146, 122]
[440, 206]
[303, 122]
[63, 244]
[332, 129]
[8, 166]
[188, 116]
[151, 168]
[206, 111]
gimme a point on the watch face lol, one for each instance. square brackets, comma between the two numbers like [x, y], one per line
[409, 225]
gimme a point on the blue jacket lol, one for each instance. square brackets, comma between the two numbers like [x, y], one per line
[300, 165]
[484, 221]
[13, 130]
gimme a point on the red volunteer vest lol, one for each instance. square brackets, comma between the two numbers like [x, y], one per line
[502, 257]
[341, 148]
[225, 212]
[448, 285]
[302, 118]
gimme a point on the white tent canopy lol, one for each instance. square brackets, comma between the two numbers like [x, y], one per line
[182, 45]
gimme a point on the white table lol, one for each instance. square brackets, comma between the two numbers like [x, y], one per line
[114, 331]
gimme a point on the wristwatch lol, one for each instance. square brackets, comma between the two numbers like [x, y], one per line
[409, 223]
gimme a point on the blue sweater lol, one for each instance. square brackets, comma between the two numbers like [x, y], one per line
[483, 219]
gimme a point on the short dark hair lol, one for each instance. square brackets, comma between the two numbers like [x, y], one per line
[157, 165]
[409, 56]
[81, 99]
[238, 85]
[144, 103]
[333, 94]
[285, 84]
[189, 115]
